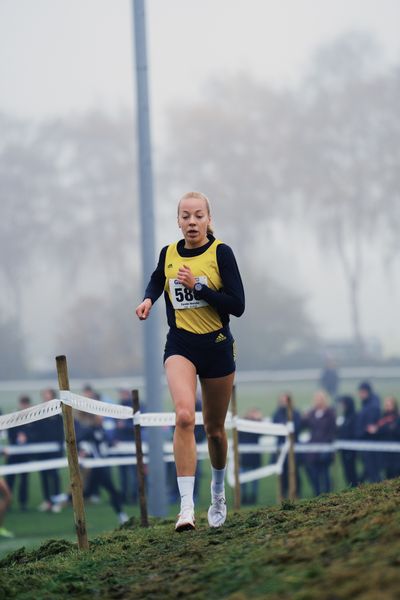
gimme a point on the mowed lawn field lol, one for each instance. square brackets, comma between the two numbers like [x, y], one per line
[31, 528]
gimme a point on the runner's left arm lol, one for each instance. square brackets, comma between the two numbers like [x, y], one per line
[231, 298]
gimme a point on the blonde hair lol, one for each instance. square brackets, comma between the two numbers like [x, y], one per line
[199, 196]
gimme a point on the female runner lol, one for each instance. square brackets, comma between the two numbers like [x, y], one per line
[202, 287]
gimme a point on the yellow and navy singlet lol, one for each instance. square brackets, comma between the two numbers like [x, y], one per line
[222, 294]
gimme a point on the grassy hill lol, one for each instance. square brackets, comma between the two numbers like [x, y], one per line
[341, 546]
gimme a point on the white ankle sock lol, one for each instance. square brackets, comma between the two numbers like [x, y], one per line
[186, 487]
[217, 481]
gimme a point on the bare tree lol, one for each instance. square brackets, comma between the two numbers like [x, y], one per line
[347, 161]
[69, 203]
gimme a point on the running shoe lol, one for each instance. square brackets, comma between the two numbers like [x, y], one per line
[45, 506]
[186, 520]
[5, 533]
[217, 511]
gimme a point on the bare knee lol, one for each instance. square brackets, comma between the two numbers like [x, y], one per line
[215, 433]
[185, 419]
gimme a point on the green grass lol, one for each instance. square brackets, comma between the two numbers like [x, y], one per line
[340, 546]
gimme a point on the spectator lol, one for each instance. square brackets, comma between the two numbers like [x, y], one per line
[321, 422]
[250, 461]
[5, 501]
[20, 436]
[369, 414]
[329, 380]
[387, 429]
[50, 430]
[124, 433]
[85, 420]
[94, 442]
[280, 416]
[347, 431]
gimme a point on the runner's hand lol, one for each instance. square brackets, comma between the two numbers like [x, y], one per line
[143, 310]
[186, 277]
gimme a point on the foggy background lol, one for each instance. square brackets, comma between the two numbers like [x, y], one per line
[286, 114]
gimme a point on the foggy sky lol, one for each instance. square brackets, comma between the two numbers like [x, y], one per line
[58, 56]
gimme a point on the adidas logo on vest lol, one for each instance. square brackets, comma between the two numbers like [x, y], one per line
[220, 338]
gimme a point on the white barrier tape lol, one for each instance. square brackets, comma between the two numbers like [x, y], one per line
[290, 427]
[41, 448]
[282, 456]
[29, 415]
[248, 476]
[367, 446]
[60, 463]
[353, 445]
[30, 467]
[117, 411]
[261, 472]
[157, 419]
[308, 448]
[263, 427]
[96, 407]
[109, 461]
[136, 417]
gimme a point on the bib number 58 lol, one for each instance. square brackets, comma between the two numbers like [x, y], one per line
[182, 294]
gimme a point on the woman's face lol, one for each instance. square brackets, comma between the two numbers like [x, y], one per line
[389, 404]
[193, 219]
[320, 402]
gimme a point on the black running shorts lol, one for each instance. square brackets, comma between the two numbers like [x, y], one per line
[213, 354]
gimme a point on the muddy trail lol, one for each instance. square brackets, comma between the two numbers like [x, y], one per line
[339, 546]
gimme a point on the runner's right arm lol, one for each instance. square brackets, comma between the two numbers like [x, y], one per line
[157, 280]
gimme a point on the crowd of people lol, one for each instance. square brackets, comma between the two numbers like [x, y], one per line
[328, 420]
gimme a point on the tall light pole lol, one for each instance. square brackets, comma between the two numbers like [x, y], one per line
[152, 347]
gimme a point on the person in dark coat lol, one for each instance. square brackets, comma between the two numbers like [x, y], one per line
[20, 436]
[250, 461]
[94, 442]
[321, 421]
[124, 432]
[329, 379]
[280, 416]
[48, 431]
[387, 429]
[347, 431]
[369, 414]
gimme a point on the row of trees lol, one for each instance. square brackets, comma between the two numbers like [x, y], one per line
[324, 155]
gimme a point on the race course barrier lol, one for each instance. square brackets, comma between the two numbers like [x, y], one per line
[69, 401]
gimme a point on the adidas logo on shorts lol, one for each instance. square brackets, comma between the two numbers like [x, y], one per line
[220, 338]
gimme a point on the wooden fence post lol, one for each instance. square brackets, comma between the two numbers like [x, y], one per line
[72, 455]
[291, 457]
[235, 439]
[139, 461]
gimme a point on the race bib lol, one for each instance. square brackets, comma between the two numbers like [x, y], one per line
[182, 297]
